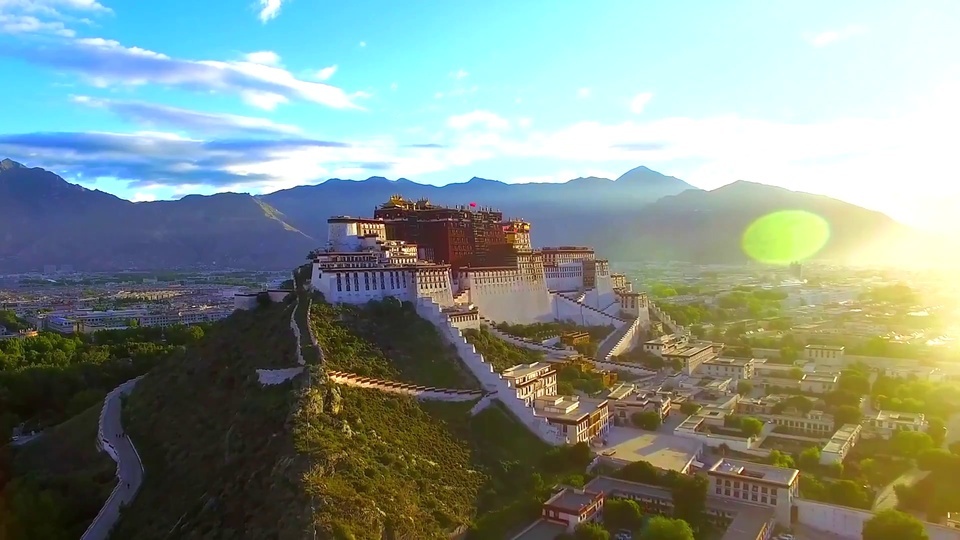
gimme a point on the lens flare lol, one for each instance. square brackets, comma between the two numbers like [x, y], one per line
[785, 236]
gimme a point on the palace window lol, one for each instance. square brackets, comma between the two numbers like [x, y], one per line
[356, 281]
[339, 283]
[366, 280]
[348, 281]
[381, 281]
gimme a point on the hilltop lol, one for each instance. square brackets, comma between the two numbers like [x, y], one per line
[642, 215]
[225, 454]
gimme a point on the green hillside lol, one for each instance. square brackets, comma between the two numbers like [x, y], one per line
[228, 458]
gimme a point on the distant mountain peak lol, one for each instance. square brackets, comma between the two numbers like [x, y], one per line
[8, 163]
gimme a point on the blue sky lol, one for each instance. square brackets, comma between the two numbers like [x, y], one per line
[153, 100]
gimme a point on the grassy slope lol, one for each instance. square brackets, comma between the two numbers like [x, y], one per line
[226, 458]
[388, 341]
[500, 354]
[66, 463]
[219, 461]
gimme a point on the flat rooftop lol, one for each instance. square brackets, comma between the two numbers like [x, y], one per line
[728, 361]
[813, 377]
[897, 416]
[755, 471]
[621, 391]
[669, 452]
[573, 500]
[747, 522]
[541, 530]
[584, 408]
[691, 350]
[825, 347]
[523, 370]
[841, 437]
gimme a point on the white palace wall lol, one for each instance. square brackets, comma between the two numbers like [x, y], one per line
[392, 387]
[566, 309]
[848, 522]
[506, 297]
[491, 380]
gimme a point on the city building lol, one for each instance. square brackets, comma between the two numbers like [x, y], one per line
[818, 384]
[665, 344]
[87, 321]
[691, 357]
[775, 487]
[532, 381]
[734, 368]
[887, 423]
[811, 424]
[823, 352]
[627, 399]
[840, 444]
[662, 450]
[579, 419]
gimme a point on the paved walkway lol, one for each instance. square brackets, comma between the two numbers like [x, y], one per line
[887, 498]
[115, 442]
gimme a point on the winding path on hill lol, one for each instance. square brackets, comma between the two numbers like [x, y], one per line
[116, 443]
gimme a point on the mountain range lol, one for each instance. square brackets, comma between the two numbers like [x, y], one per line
[642, 215]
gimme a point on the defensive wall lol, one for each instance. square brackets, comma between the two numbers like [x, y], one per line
[491, 381]
[848, 522]
[392, 387]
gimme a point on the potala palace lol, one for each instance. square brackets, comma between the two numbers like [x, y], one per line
[470, 257]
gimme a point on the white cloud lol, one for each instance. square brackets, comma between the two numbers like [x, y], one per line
[583, 93]
[394, 86]
[825, 38]
[191, 121]
[326, 72]
[110, 62]
[143, 197]
[478, 118]
[28, 24]
[524, 122]
[264, 58]
[639, 102]
[269, 9]
[363, 43]
[460, 74]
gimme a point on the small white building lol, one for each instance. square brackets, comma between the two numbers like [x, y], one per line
[580, 420]
[665, 344]
[733, 368]
[532, 381]
[691, 357]
[842, 442]
[763, 485]
[889, 422]
[818, 383]
[823, 352]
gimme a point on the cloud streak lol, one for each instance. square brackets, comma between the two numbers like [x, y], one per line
[194, 122]
[269, 9]
[828, 37]
[108, 62]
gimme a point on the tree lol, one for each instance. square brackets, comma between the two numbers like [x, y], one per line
[664, 528]
[648, 420]
[689, 407]
[690, 498]
[744, 387]
[780, 459]
[849, 493]
[889, 524]
[846, 414]
[751, 427]
[937, 429]
[796, 373]
[590, 531]
[622, 514]
[809, 459]
[910, 443]
[565, 388]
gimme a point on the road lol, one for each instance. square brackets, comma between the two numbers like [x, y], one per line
[129, 467]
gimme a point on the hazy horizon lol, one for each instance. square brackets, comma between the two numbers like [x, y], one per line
[846, 101]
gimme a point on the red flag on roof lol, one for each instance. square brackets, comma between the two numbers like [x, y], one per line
[473, 205]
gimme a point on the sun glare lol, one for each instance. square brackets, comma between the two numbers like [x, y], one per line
[785, 236]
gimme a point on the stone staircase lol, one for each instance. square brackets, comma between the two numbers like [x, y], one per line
[462, 298]
[614, 340]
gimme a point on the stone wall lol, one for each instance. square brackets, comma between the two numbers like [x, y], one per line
[848, 522]
[518, 301]
[490, 380]
[393, 387]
